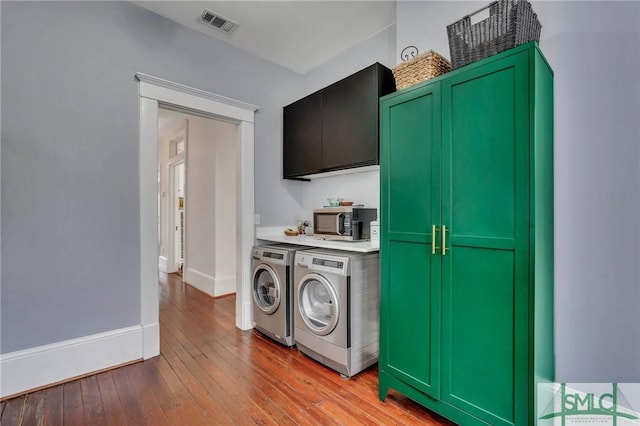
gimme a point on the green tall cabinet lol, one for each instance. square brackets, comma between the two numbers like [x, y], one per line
[466, 244]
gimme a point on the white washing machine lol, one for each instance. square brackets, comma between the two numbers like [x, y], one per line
[337, 297]
[272, 290]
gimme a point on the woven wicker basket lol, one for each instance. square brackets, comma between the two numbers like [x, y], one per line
[423, 67]
[510, 23]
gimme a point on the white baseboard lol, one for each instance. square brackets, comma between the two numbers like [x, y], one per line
[203, 282]
[162, 264]
[45, 365]
[224, 286]
[150, 340]
[246, 323]
[206, 283]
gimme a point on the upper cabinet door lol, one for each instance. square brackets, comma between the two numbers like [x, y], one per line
[302, 136]
[350, 121]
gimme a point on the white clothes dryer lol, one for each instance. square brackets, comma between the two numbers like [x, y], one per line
[272, 288]
[336, 305]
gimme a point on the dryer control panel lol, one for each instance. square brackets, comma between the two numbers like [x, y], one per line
[328, 264]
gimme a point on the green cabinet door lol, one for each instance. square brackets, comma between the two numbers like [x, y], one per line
[485, 190]
[410, 207]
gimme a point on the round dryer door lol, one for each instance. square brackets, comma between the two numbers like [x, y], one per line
[266, 289]
[318, 304]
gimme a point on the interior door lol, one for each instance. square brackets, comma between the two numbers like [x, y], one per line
[484, 272]
[410, 212]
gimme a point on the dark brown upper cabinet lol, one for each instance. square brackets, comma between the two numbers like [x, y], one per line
[302, 148]
[336, 128]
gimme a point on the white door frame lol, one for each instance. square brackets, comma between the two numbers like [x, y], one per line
[154, 91]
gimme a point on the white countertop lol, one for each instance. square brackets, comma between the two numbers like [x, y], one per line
[276, 234]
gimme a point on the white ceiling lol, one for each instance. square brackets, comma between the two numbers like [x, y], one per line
[296, 34]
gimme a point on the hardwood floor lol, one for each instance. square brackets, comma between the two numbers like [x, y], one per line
[211, 373]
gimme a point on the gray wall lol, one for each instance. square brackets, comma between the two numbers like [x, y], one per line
[594, 49]
[70, 234]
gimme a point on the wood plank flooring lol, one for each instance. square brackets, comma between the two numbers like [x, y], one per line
[211, 373]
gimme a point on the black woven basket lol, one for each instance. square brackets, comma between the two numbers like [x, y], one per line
[510, 23]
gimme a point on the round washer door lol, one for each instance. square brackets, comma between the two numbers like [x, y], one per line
[318, 304]
[266, 289]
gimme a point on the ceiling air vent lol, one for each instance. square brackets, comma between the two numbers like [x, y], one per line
[216, 21]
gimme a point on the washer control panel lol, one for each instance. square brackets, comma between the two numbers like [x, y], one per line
[270, 255]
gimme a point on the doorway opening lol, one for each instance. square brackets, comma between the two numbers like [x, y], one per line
[155, 93]
[197, 160]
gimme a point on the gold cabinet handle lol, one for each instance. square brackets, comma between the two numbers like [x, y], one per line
[434, 229]
[444, 240]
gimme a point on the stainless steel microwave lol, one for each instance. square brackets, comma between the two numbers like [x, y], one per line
[343, 223]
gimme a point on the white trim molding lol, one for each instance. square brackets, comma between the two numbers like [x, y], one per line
[179, 94]
[45, 365]
[148, 159]
[245, 232]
